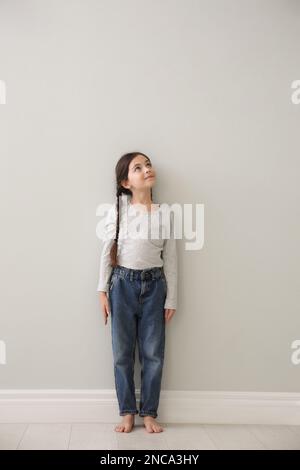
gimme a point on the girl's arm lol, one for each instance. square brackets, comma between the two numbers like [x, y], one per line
[105, 263]
[170, 267]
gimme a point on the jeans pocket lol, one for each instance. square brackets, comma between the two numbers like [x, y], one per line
[112, 281]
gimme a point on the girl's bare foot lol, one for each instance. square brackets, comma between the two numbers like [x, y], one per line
[151, 424]
[126, 425]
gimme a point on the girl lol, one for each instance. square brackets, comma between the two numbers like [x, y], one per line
[138, 287]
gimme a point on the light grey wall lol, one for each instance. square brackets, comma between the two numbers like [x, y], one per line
[204, 88]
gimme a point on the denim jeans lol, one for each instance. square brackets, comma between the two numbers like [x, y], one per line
[137, 298]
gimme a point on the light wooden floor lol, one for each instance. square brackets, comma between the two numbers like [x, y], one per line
[175, 436]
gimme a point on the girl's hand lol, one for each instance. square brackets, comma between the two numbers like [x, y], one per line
[104, 305]
[169, 312]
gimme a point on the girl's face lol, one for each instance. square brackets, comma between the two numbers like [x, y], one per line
[141, 174]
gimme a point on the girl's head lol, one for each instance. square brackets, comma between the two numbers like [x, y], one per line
[134, 175]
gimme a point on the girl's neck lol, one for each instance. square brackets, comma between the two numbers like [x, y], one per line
[146, 201]
[149, 205]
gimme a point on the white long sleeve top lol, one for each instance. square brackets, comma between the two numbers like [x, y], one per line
[146, 240]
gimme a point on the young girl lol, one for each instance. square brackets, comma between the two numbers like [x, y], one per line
[138, 287]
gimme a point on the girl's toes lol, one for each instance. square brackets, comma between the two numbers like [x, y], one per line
[149, 427]
[128, 428]
[119, 428]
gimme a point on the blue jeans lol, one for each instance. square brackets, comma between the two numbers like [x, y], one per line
[137, 298]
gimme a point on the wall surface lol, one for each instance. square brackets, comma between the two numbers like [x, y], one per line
[203, 88]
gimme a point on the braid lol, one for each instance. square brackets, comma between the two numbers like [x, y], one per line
[114, 248]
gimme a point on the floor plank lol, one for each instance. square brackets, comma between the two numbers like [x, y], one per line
[277, 437]
[179, 436]
[188, 436]
[233, 436]
[92, 436]
[11, 434]
[46, 436]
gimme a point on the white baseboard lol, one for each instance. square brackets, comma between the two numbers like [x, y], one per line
[89, 406]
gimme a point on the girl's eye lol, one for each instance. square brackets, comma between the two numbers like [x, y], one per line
[138, 167]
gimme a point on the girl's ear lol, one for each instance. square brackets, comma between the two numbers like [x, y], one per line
[125, 184]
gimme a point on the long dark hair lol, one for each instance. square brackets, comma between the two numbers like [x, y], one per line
[121, 172]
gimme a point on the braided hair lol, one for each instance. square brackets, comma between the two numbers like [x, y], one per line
[121, 172]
